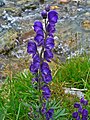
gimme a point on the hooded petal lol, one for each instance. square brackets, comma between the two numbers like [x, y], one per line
[39, 39]
[76, 105]
[83, 101]
[38, 26]
[49, 43]
[75, 114]
[46, 92]
[52, 17]
[34, 67]
[49, 114]
[48, 55]
[50, 28]
[31, 48]
[47, 77]
[85, 112]
[36, 58]
[45, 68]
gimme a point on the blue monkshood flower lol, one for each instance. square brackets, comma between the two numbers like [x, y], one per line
[35, 64]
[76, 105]
[80, 109]
[84, 118]
[47, 8]
[36, 58]
[46, 92]
[83, 101]
[46, 72]
[32, 48]
[48, 55]
[52, 17]
[85, 113]
[39, 39]
[75, 114]
[45, 68]
[78, 118]
[40, 32]
[34, 67]
[49, 43]
[47, 77]
[49, 114]
[50, 28]
[43, 110]
[38, 26]
[44, 14]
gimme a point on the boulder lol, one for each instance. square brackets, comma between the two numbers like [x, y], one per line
[2, 3]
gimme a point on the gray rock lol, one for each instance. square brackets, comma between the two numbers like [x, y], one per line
[30, 5]
[2, 3]
[88, 2]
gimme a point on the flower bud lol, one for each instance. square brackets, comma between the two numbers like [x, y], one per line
[47, 8]
[44, 14]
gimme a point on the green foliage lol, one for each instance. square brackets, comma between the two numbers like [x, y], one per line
[18, 96]
[13, 94]
[59, 113]
[75, 72]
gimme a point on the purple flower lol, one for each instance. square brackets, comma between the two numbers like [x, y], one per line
[39, 39]
[75, 114]
[44, 14]
[43, 110]
[49, 114]
[38, 26]
[85, 113]
[83, 101]
[47, 8]
[35, 64]
[47, 77]
[45, 68]
[76, 105]
[48, 55]
[46, 92]
[46, 72]
[52, 17]
[36, 58]
[40, 32]
[49, 43]
[50, 28]
[34, 67]
[80, 109]
[42, 73]
[78, 118]
[84, 118]
[31, 48]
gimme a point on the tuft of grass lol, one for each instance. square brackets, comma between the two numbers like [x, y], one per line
[18, 97]
[13, 94]
[74, 73]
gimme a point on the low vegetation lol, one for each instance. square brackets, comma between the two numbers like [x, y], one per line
[17, 94]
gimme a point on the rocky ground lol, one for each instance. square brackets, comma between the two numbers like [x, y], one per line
[16, 20]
